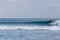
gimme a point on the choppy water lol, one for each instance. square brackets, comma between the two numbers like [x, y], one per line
[29, 35]
[28, 29]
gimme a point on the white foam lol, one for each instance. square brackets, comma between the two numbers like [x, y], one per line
[57, 22]
[29, 27]
[54, 28]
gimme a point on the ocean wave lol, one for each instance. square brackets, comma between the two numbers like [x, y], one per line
[55, 23]
[32, 22]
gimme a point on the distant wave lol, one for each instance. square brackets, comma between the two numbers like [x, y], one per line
[31, 21]
[25, 21]
[55, 23]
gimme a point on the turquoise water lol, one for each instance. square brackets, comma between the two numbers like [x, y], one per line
[37, 21]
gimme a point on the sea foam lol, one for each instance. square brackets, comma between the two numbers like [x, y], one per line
[29, 27]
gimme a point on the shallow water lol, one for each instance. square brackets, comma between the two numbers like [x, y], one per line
[29, 35]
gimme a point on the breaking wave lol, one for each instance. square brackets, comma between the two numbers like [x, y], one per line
[29, 27]
[46, 24]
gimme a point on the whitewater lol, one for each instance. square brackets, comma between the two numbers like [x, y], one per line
[29, 29]
[54, 26]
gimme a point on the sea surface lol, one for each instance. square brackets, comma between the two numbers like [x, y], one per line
[32, 29]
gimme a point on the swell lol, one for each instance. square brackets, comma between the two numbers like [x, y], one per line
[31, 21]
[27, 22]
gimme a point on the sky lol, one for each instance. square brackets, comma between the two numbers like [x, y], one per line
[29, 8]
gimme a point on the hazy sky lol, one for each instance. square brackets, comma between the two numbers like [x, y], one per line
[29, 8]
